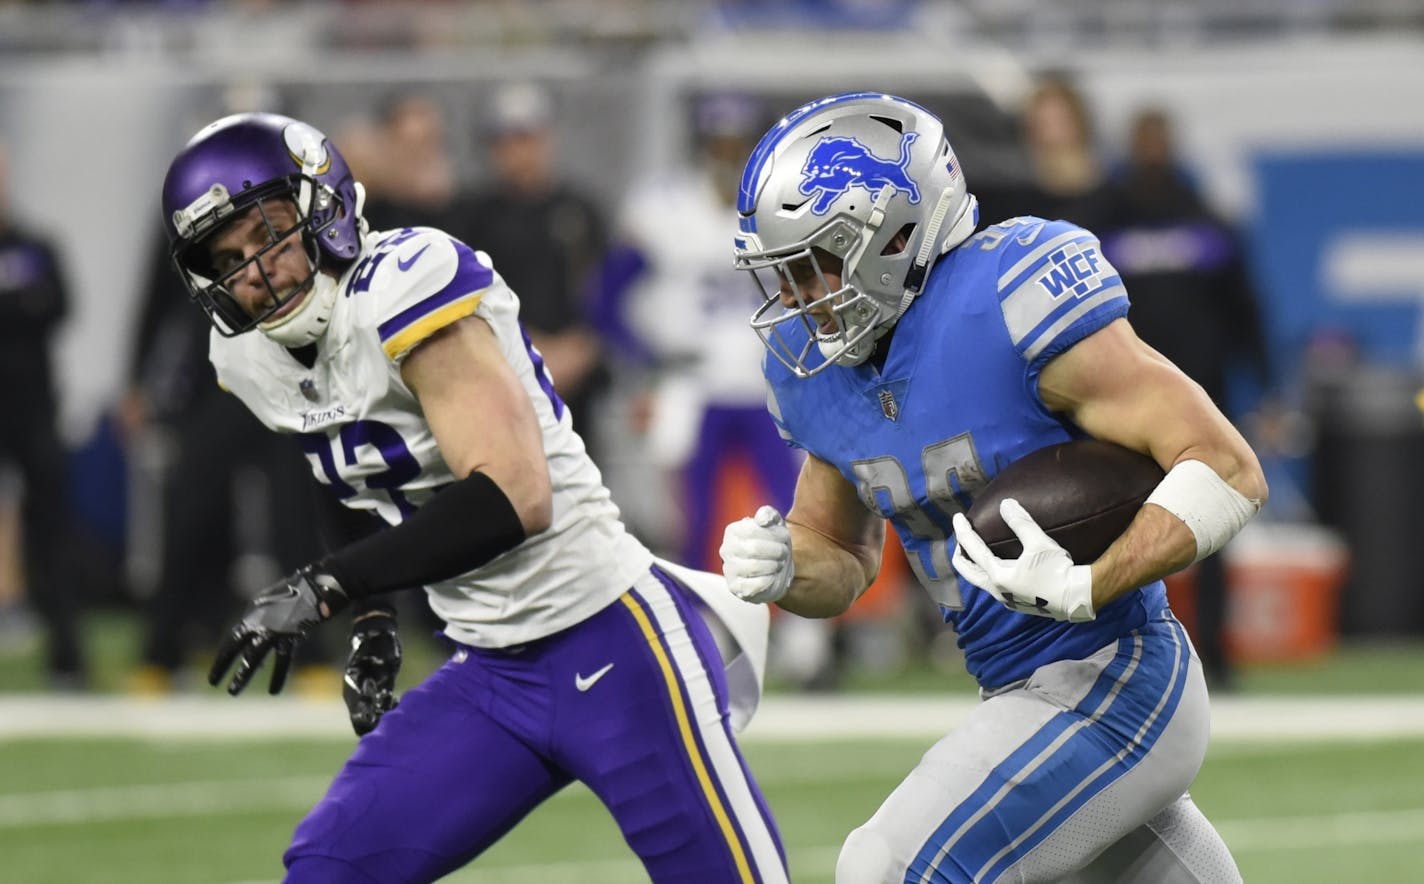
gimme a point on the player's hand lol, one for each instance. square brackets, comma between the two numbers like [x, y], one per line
[1042, 581]
[275, 621]
[756, 557]
[369, 683]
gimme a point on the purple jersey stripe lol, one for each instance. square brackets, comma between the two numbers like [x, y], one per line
[545, 382]
[470, 277]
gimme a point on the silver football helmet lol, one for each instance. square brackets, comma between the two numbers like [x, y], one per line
[868, 178]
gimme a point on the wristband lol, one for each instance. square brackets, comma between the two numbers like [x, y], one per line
[1211, 508]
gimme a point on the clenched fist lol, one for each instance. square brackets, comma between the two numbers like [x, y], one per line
[756, 557]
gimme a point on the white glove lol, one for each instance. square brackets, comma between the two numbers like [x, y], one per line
[756, 557]
[1043, 581]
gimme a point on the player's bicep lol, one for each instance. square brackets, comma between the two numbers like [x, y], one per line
[1115, 387]
[480, 416]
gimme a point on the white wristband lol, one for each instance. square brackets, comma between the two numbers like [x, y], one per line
[1212, 509]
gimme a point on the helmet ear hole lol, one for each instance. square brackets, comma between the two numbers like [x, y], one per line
[827, 261]
[900, 241]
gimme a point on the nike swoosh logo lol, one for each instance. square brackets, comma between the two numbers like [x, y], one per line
[406, 263]
[1028, 238]
[584, 684]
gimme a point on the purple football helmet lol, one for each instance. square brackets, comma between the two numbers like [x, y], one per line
[243, 161]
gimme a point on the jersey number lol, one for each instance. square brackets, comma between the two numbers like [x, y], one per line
[401, 465]
[946, 464]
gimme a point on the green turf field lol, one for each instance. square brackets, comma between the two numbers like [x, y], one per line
[106, 811]
[204, 809]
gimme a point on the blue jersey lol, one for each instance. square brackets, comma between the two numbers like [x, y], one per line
[955, 401]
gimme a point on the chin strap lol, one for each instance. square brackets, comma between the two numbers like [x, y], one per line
[916, 277]
[959, 231]
[306, 324]
[362, 225]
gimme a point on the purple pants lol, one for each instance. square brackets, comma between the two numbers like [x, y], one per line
[631, 702]
[729, 431]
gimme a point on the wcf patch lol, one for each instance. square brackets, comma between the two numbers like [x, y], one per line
[1072, 269]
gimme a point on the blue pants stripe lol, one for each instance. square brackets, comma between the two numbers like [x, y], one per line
[1027, 795]
[1111, 768]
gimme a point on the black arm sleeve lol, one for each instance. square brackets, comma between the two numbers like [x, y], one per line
[338, 525]
[462, 527]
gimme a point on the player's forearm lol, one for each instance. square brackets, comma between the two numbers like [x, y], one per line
[465, 525]
[1154, 545]
[1195, 510]
[829, 577]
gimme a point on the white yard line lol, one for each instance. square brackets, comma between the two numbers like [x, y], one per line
[1353, 829]
[157, 801]
[218, 798]
[782, 718]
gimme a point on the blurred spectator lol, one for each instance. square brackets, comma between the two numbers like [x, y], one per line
[545, 236]
[1192, 300]
[1064, 176]
[689, 310]
[34, 301]
[236, 506]
[686, 310]
[410, 175]
[233, 506]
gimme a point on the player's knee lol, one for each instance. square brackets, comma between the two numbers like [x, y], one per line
[866, 858]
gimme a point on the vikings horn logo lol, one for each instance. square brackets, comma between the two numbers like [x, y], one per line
[838, 164]
[306, 146]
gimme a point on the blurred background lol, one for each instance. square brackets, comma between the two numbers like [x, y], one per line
[1254, 167]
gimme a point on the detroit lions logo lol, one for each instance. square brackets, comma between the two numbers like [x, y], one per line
[838, 164]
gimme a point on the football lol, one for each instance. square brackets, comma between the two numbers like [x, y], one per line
[1082, 493]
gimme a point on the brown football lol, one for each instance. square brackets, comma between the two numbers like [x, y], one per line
[1082, 493]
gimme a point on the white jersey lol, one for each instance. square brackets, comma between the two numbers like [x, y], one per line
[365, 434]
[680, 225]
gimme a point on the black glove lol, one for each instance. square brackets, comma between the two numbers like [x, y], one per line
[369, 684]
[278, 618]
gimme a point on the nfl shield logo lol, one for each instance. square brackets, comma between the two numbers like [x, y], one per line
[308, 388]
[888, 406]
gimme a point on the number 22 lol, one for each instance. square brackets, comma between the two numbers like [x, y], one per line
[401, 465]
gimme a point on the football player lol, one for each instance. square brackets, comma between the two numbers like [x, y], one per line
[912, 359]
[399, 360]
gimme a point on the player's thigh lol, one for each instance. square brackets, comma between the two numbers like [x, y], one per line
[652, 741]
[1031, 761]
[1146, 799]
[945, 780]
[437, 783]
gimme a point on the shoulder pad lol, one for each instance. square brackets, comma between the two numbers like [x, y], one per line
[422, 280]
[1054, 284]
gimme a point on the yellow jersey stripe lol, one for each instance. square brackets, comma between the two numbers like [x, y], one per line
[429, 324]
